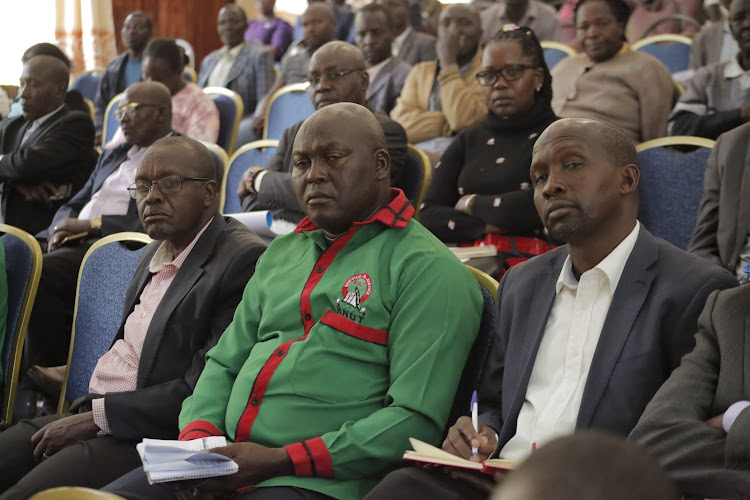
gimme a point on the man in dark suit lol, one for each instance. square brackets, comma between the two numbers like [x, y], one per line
[48, 153]
[374, 36]
[697, 425]
[588, 332]
[181, 299]
[101, 208]
[722, 232]
[410, 46]
[245, 67]
[125, 69]
[337, 74]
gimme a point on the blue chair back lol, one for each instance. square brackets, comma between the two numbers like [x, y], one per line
[111, 123]
[106, 272]
[671, 187]
[256, 153]
[231, 108]
[23, 269]
[220, 158]
[553, 56]
[87, 84]
[672, 50]
[288, 106]
[472, 373]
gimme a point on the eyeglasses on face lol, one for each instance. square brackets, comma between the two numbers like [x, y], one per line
[509, 73]
[129, 108]
[167, 185]
[330, 76]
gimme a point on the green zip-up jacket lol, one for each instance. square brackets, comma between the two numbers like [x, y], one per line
[341, 352]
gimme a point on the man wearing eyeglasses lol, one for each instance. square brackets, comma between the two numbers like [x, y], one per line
[337, 74]
[181, 299]
[101, 208]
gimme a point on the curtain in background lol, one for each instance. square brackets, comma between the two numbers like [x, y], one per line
[84, 30]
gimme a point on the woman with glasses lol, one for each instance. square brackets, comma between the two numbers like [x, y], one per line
[608, 81]
[481, 190]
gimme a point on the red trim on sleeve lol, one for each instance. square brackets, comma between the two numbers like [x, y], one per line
[300, 459]
[349, 327]
[199, 429]
[320, 456]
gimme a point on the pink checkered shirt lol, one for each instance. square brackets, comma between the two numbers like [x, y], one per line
[117, 370]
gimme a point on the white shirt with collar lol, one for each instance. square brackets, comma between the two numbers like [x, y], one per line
[561, 367]
[374, 70]
[218, 76]
[398, 42]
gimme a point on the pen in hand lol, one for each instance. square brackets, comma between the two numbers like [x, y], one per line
[474, 418]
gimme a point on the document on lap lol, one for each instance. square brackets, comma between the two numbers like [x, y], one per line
[430, 455]
[171, 460]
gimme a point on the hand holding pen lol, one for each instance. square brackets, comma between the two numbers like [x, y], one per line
[465, 436]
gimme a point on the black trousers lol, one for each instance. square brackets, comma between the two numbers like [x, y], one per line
[48, 337]
[134, 486]
[412, 483]
[92, 463]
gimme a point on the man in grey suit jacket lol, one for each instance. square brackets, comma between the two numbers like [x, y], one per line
[181, 299]
[722, 232]
[697, 425]
[374, 36]
[241, 66]
[588, 332]
[408, 45]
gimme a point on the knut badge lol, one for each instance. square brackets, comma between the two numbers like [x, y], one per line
[354, 292]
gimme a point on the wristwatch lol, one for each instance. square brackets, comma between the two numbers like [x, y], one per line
[96, 225]
[250, 179]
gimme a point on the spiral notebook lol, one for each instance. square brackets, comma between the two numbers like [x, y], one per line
[169, 460]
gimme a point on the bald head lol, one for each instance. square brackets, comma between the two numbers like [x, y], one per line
[587, 466]
[145, 113]
[43, 85]
[348, 54]
[341, 167]
[151, 92]
[337, 74]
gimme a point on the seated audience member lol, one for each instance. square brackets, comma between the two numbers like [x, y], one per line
[430, 11]
[194, 113]
[319, 23]
[713, 43]
[587, 465]
[365, 352]
[717, 96]
[373, 34]
[182, 297]
[344, 20]
[101, 208]
[408, 45]
[608, 81]
[337, 74]
[722, 232]
[125, 69]
[441, 98]
[46, 154]
[615, 308]
[482, 186]
[697, 424]
[274, 33]
[241, 66]
[535, 14]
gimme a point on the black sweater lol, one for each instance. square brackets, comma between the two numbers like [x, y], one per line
[491, 160]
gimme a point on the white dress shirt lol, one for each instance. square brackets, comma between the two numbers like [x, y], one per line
[398, 42]
[218, 76]
[561, 368]
[113, 198]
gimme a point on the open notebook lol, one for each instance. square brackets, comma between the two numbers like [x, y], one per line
[169, 460]
[428, 454]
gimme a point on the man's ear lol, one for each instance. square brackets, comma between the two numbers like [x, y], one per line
[629, 178]
[383, 167]
[365, 78]
[210, 193]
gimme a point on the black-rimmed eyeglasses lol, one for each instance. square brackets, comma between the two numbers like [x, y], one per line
[509, 73]
[330, 76]
[167, 185]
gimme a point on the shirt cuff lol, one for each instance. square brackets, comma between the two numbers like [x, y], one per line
[199, 429]
[310, 458]
[258, 180]
[732, 413]
[100, 417]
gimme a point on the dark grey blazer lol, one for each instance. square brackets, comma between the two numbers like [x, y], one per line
[251, 74]
[703, 461]
[189, 320]
[417, 48]
[724, 216]
[385, 88]
[648, 328]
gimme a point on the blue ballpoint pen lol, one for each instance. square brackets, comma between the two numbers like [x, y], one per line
[474, 418]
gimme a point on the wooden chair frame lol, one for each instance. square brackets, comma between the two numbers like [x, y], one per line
[488, 282]
[664, 37]
[426, 177]
[11, 384]
[675, 140]
[115, 100]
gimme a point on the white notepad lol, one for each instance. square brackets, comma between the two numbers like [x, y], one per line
[169, 460]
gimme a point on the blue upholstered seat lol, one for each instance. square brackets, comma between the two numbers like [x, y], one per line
[256, 153]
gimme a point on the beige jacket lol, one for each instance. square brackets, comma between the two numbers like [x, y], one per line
[461, 96]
